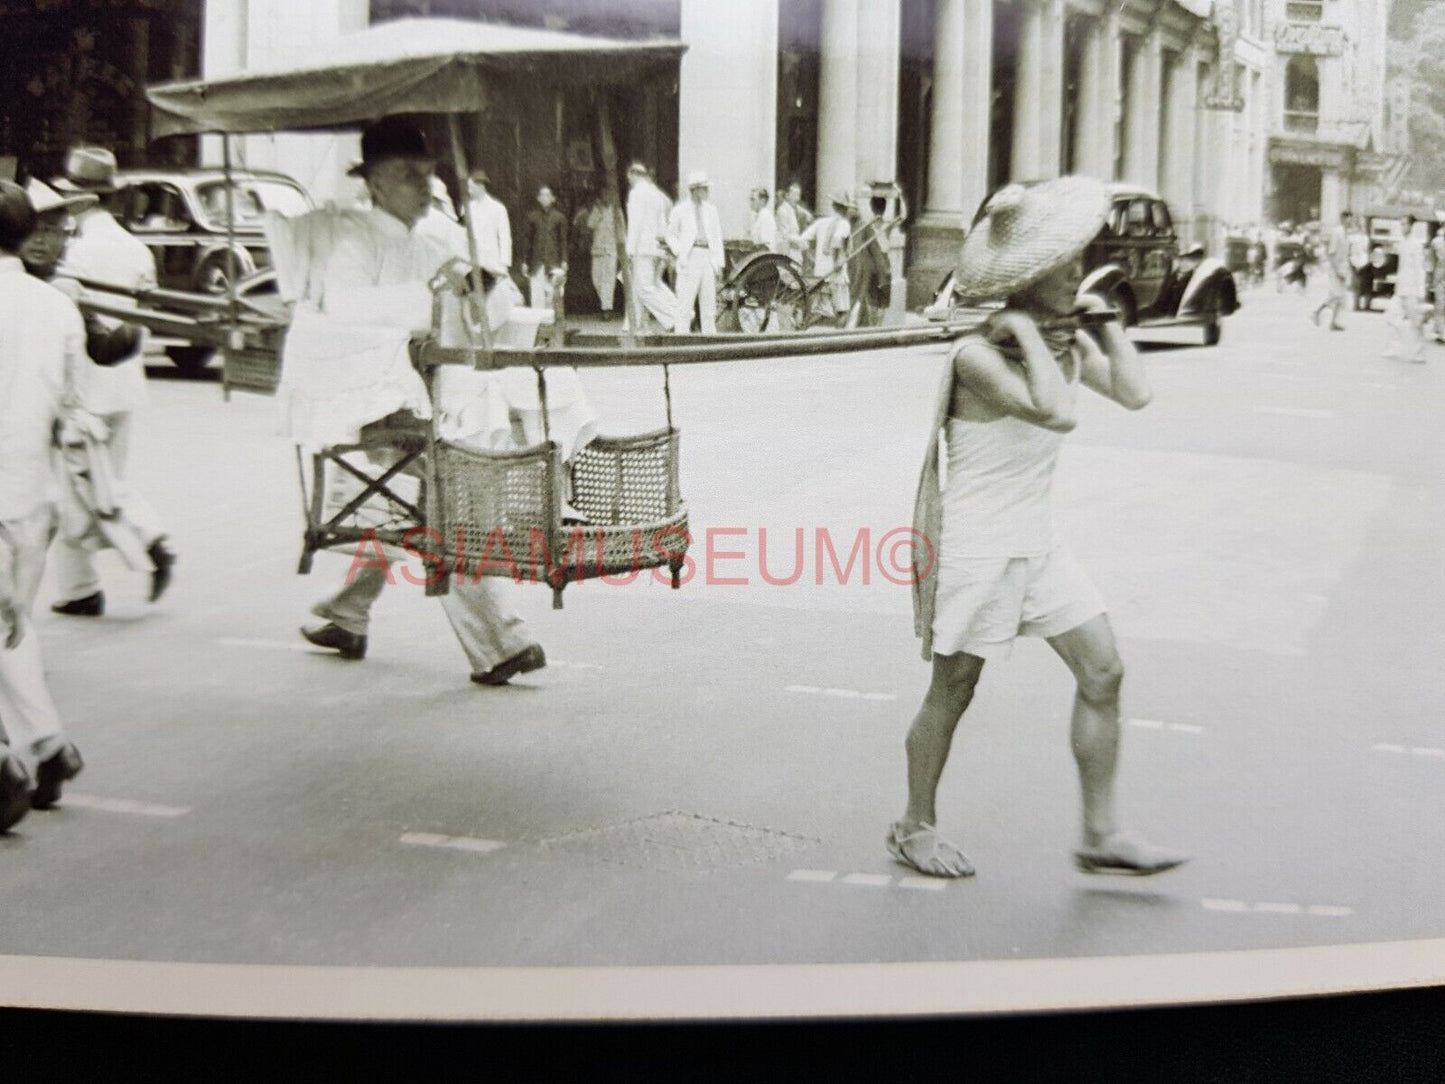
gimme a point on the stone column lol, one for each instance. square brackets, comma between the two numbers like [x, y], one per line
[1028, 94]
[858, 94]
[1051, 87]
[1179, 153]
[727, 101]
[1141, 135]
[1098, 99]
[958, 150]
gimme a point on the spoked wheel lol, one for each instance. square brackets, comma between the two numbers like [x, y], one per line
[768, 296]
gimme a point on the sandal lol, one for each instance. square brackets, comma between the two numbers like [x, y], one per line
[940, 858]
[1126, 856]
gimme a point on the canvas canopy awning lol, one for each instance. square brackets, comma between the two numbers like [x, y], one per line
[406, 66]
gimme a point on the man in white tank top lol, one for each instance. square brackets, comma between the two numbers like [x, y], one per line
[996, 567]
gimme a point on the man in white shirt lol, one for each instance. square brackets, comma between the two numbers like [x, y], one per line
[790, 224]
[694, 234]
[647, 217]
[829, 237]
[377, 274]
[1410, 288]
[42, 349]
[1361, 275]
[492, 225]
[102, 251]
[763, 230]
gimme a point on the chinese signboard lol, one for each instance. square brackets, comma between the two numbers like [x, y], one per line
[1223, 90]
[1309, 38]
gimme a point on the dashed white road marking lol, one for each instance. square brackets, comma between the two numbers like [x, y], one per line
[1413, 750]
[1157, 724]
[455, 843]
[927, 884]
[1321, 910]
[1295, 412]
[818, 875]
[845, 694]
[121, 805]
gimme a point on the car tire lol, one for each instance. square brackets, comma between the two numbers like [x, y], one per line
[190, 359]
[1213, 332]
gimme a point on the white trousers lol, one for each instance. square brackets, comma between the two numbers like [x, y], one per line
[27, 712]
[604, 278]
[696, 284]
[543, 292]
[489, 632]
[649, 294]
[75, 574]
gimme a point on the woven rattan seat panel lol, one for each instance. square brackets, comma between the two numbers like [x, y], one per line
[627, 480]
[492, 500]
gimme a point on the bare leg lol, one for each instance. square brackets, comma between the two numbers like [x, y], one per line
[1092, 655]
[914, 841]
[929, 739]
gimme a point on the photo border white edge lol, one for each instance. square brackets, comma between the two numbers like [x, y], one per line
[707, 992]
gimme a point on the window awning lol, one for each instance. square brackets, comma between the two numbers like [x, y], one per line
[407, 66]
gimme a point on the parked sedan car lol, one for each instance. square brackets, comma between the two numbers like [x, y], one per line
[181, 215]
[1136, 265]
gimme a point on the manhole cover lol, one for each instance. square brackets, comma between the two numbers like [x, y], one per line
[677, 841]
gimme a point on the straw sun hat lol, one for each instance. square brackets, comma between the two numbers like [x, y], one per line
[1026, 232]
[46, 199]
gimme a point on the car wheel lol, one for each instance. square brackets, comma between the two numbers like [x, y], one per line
[1213, 332]
[1121, 303]
[190, 359]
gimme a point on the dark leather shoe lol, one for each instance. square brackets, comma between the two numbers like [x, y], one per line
[89, 606]
[14, 789]
[348, 644]
[164, 560]
[56, 769]
[524, 662]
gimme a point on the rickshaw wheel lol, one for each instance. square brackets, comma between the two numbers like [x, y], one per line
[770, 296]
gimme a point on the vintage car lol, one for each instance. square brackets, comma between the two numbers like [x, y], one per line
[181, 216]
[1385, 226]
[1136, 265]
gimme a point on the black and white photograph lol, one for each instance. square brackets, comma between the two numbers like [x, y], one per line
[545, 510]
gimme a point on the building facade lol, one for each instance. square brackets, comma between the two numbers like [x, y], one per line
[1333, 146]
[947, 98]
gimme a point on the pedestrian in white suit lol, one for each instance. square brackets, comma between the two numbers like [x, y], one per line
[694, 235]
[647, 214]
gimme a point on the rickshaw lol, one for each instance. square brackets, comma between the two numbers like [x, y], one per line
[625, 489]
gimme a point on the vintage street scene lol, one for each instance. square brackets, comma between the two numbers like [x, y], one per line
[487, 483]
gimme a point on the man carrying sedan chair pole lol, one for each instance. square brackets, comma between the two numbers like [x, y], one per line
[990, 566]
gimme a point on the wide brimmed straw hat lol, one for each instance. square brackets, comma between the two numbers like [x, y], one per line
[1025, 233]
[46, 199]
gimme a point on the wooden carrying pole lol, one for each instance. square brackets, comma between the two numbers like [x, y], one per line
[459, 164]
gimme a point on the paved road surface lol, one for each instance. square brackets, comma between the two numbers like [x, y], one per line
[705, 776]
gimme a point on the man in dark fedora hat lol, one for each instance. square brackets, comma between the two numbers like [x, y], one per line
[102, 251]
[371, 279]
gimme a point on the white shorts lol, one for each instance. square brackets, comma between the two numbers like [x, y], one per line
[984, 603]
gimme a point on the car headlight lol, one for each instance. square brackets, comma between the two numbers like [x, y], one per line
[1377, 258]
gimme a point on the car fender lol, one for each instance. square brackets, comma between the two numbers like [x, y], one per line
[1103, 279]
[1209, 276]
